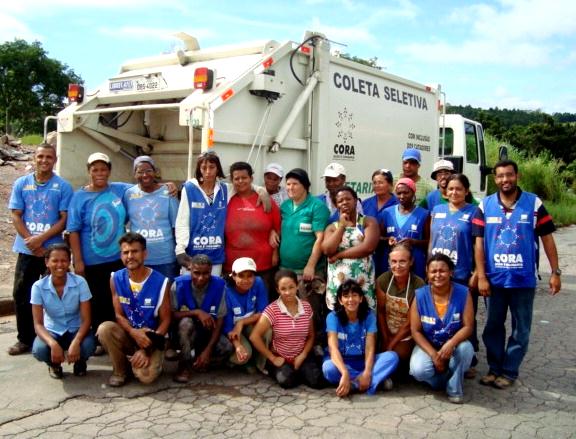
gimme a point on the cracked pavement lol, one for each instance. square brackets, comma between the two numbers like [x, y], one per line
[542, 403]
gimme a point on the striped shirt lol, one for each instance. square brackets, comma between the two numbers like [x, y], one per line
[289, 333]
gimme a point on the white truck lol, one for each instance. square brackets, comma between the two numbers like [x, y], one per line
[294, 104]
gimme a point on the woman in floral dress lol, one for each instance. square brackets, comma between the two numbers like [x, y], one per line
[349, 244]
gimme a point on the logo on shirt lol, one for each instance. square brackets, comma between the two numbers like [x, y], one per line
[440, 215]
[36, 228]
[135, 196]
[414, 227]
[212, 309]
[237, 310]
[428, 320]
[493, 220]
[196, 205]
[148, 302]
[305, 228]
[465, 217]
[152, 234]
[390, 229]
[342, 336]
[505, 260]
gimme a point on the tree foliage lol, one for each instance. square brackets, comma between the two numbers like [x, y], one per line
[32, 86]
[370, 62]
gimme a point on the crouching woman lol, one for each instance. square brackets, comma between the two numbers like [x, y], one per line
[441, 320]
[352, 328]
[61, 311]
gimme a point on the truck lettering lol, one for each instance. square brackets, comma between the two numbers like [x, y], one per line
[344, 149]
[350, 83]
[405, 98]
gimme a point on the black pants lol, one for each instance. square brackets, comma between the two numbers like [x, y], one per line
[28, 270]
[98, 278]
[309, 373]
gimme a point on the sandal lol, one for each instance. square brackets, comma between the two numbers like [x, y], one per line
[488, 380]
[502, 382]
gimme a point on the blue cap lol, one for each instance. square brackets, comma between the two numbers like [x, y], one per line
[412, 154]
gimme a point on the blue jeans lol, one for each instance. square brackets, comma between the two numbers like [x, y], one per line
[422, 369]
[385, 364]
[505, 360]
[171, 270]
[42, 352]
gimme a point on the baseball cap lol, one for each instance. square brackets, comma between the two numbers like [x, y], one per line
[243, 264]
[412, 154]
[275, 168]
[144, 159]
[442, 165]
[98, 157]
[334, 170]
[408, 182]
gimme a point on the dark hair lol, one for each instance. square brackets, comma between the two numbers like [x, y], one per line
[200, 259]
[282, 273]
[45, 145]
[210, 157]
[350, 286]
[465, 182]
[349, 190]
[384, 173]
[57, 247]
[504, 163]
[301, 175]
[241, 166]
[132, 237]
[440, 257]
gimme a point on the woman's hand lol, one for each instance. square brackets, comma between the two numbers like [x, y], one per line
[56, 354]
[139, 360]
[299, 360]
[278, 361]
[74, 351]
[445, 352]
[344, 386]
[241, 353]
[439, 364]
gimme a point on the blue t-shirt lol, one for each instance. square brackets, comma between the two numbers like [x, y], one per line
[239, 306]
[61, 314]
[352, 336]
[153, 215]
[99, 218]
[40, 205]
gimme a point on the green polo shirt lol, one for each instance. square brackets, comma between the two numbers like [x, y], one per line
[298, 231]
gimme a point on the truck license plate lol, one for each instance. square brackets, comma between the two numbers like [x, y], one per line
[140, 83]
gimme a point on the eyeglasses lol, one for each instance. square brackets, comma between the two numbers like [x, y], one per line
[400, 263]
[145, 172]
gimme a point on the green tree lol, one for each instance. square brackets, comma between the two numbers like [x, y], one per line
[32, 86]
[371, 62]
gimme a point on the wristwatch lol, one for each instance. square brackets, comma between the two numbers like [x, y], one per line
[557, 272]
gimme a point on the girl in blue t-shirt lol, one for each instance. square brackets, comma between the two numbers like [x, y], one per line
[353, 363]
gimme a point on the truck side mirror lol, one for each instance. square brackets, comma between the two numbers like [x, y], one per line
[502, 152]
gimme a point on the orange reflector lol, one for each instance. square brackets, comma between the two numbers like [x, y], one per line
[210, 137]
[227, 95]
[75, 93]
[305, 49]
[428, 88]
[268, 63]
[203, 78]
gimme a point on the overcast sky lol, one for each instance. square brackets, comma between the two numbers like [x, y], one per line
[504, 53]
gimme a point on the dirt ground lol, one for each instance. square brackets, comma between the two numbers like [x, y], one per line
[8, 174]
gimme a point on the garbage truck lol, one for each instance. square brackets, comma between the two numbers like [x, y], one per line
[291, 103]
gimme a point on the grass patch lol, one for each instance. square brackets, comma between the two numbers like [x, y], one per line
[32, 139]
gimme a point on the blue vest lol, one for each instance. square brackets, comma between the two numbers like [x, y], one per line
[433, 199]
[509, 243]
[438, 331]
[412, 228]
[142, 310]
[207, 222]
[185, 300]
[451, 234]
[240, 306]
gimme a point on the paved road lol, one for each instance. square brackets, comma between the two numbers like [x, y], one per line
[542, 403]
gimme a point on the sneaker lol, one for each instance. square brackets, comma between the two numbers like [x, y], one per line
[116, 380]
[80, 368]
[456, 399]
[470, 374]
[99, 351]
[388, 384]
[488, 380]
[502, 383]
[18, 348]
[55, 372]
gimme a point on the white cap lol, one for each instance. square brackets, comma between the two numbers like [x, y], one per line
[334, 170]
[442, 165]
[98, 157]
[275, 168]
[243, 264]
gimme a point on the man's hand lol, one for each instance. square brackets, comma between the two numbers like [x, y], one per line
[33, 242]
[79, 268]
[139, 360]
[56, 354]
[344, 386]
[555, 284]
[172, 189]
[483, 286]
[206, 319]
[73, 352]
[308, 273]
[140, 337]
[202, 361]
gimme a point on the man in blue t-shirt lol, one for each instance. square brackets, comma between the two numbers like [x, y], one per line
[506, 226]
[39, 204]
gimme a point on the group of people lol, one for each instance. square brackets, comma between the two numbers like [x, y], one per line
[303, 288]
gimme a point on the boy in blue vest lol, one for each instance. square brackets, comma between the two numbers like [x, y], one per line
[141, 299]
[506, 226]
[199, 307]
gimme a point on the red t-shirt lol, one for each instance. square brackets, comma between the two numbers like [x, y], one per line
[247, 231]
[289, 333]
